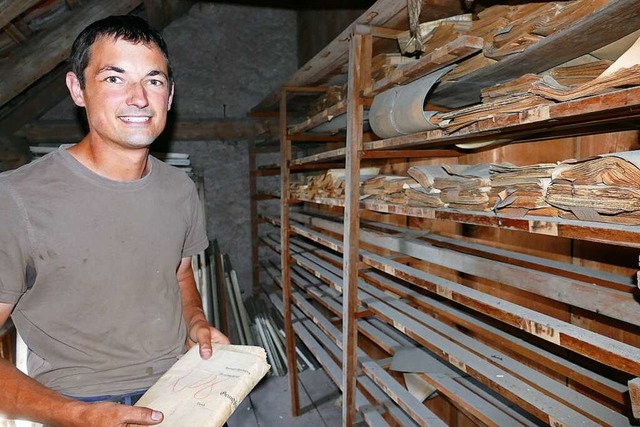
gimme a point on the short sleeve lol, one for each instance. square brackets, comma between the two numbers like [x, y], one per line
[14, 246]
[196, 239]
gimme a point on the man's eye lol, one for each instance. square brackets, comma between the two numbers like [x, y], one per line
[112, 79]
[156, 82]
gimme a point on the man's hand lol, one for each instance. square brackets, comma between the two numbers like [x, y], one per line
[201, 332]
[108, 414]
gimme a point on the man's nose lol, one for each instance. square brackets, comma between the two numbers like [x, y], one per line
[137, 95]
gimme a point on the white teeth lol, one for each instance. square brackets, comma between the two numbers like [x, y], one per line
[135, 119]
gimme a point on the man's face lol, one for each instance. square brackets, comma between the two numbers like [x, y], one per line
[127, 92]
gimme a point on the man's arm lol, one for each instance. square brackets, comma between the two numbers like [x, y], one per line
[24, 398]
[199, 331]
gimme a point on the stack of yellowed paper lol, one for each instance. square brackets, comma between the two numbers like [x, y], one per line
[604, 188]
[521, 189]
[204, 393]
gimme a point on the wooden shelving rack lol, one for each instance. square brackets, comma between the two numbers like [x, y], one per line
[371, 276]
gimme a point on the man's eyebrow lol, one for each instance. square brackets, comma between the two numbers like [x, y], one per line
[111, 68]
[157, 73]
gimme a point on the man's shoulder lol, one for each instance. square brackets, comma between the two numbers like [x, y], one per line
[27, 172]
[171, 173]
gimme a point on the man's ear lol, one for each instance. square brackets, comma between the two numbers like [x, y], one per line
[74, 89]
[170, 97]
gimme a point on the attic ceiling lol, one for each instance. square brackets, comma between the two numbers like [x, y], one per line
[36, 38]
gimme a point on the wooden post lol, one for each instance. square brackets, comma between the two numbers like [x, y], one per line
[634, 396]
[255, 241]
[285, 158]
[359, 58]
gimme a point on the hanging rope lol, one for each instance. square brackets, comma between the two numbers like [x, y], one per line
[414, 7]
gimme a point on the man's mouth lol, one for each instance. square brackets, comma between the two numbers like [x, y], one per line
[135, 119]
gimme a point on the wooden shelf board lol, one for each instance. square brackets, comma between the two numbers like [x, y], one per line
[616, 234]
[577, 117]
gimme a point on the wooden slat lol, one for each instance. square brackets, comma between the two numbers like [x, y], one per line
[603, 385]
[401, 396]
[160, 12]
[310, 333]
[544, 407]
[44, 51]
[612, 22]
[9, 9]
[617, 234]
[253, 212]
[592, 345]
[285, 157]
[466, 401]
[597, 299]
[634, 396]
[359, 55]
[539, 122]
[384, 13]
[518, 369]
[339, 153]
[439, 58]
[322, 117]
[572, 398]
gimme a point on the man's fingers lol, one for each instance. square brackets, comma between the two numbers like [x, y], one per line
[218, 337]
[204, 339]
[142, 416]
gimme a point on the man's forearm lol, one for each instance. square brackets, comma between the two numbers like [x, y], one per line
[22, 397]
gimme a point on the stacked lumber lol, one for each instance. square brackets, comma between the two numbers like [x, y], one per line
[432, 31]
[382, 65]
[520, 190]
[605, 188]
[464, 327]
[333, 95]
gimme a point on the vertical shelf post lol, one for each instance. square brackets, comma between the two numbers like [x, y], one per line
[359, 52]
[255, 245]
[285, 159]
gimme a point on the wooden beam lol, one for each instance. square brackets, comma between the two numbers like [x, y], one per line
[159, 13]
[45, 51]
[9, 9]
[285, 186]
[385, 13]
[34, 102]
[360, 50]
[634, 396]
[41, 132]
[612, 22]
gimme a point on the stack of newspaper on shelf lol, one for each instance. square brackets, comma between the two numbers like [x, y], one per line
[466, 187]
[330, 184]
[387, 188]
[604, 188]
[426, 194]
[520, 190]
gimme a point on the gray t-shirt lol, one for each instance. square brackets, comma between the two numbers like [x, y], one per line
[90, 265]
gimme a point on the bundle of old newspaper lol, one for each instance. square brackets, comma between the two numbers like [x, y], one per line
[204, 393]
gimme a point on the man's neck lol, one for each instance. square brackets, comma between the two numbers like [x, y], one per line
[114, 163]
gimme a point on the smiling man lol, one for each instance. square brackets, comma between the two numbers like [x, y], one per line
[95, 246]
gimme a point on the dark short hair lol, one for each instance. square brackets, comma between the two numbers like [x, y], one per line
[124, 27]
